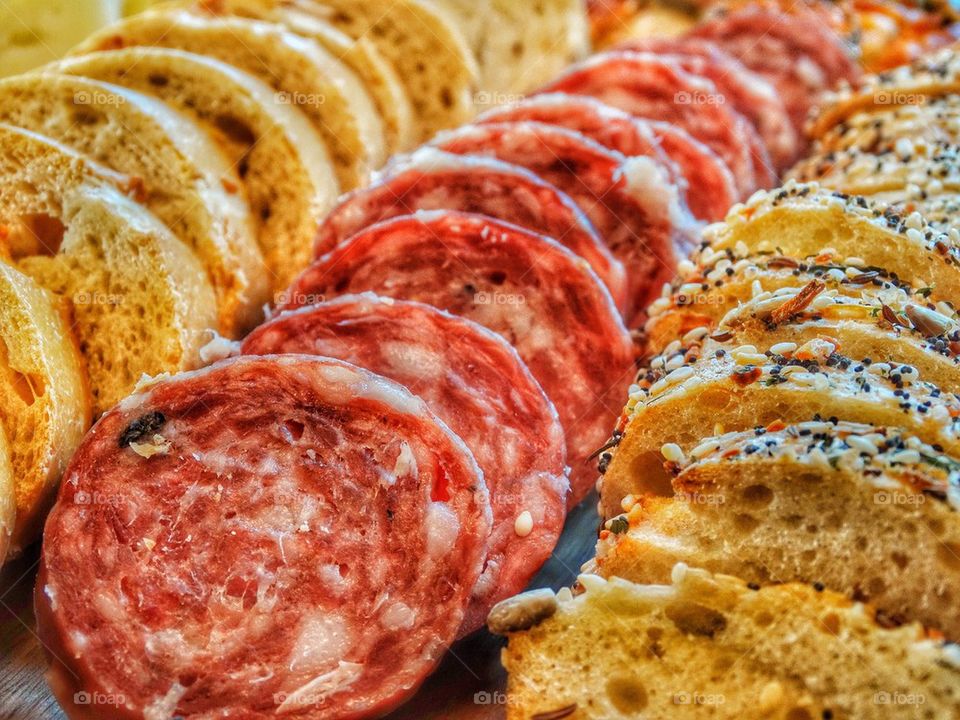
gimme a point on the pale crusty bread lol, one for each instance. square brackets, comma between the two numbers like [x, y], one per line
[8, 496]
[281, 160]
[44, 402]
[520, 46]
[425, 47]
[141, 301]
[887, 324]
[709, 646]
[744, 389]
[866, 511]
[299, 70]
[359, 54]
[183, 177]
[807, 220]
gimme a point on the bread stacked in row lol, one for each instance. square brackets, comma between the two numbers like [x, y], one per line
[794, 434]
[165, 181]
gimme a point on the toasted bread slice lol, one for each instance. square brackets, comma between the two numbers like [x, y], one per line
[806, 220]
[281, 160]
[8, 496]
[141, 301]
[867, 511]
[521, 46]
[359, 54]
[299, 70]
[933, 76]
[887, 324]
[744, 389]
[44, 402]
[180, 175]
[710, 646]
[426, 48]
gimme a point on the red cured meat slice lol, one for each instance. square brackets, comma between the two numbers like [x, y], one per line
[712, 189]
[797, 52]
[541, 298]
[477, 384]
[432, 180]
[265, 536]
[648, 87]
[752, 95]
[630, 201]
[612, 128]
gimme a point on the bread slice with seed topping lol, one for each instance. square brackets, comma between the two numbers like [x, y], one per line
[44, 404]
[141, 302]
[741, 389]
[870, 512]
[176, 171]
[710, 646]
[301, 72]
[281, 160]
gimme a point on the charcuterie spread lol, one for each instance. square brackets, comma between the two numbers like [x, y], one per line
[320, 318]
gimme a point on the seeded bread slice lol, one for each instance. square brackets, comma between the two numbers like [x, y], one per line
[299, 70]
[359, 54]
[426, 48]
[867, 511]
[521, 46]
[44, 403]
[179, 173]
[743, 389]
[807, 220]
[281, 160]
[141, 301]
[709, 646]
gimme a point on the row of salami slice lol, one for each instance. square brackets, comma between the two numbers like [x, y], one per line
[302, 529]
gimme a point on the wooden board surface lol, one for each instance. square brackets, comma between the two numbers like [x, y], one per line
[469, 685]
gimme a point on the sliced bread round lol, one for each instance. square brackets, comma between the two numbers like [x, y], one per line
[280, 158]
[8, 496]
[299, 70]
[141, 301]
[180, 175]
[44, 401]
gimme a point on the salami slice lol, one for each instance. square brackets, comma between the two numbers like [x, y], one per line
[545, 301]
[602, 123]
[477, 384]
[267, 536]
[630, 201]
[713, 190]
[750, 94]
[797, 52]
[646, 86]
[432, 180]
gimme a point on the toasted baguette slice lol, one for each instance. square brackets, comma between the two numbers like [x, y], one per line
[807, 220]
[709, 646]
[521, 46]
[360, 55]
[886, 324]
[44, 403]
[180, 175]
[299, 70]
[426, 48]
[743, 389]
[867, 511]
[933, 76]
[141, 301]
[8, 496]
[281, 160]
